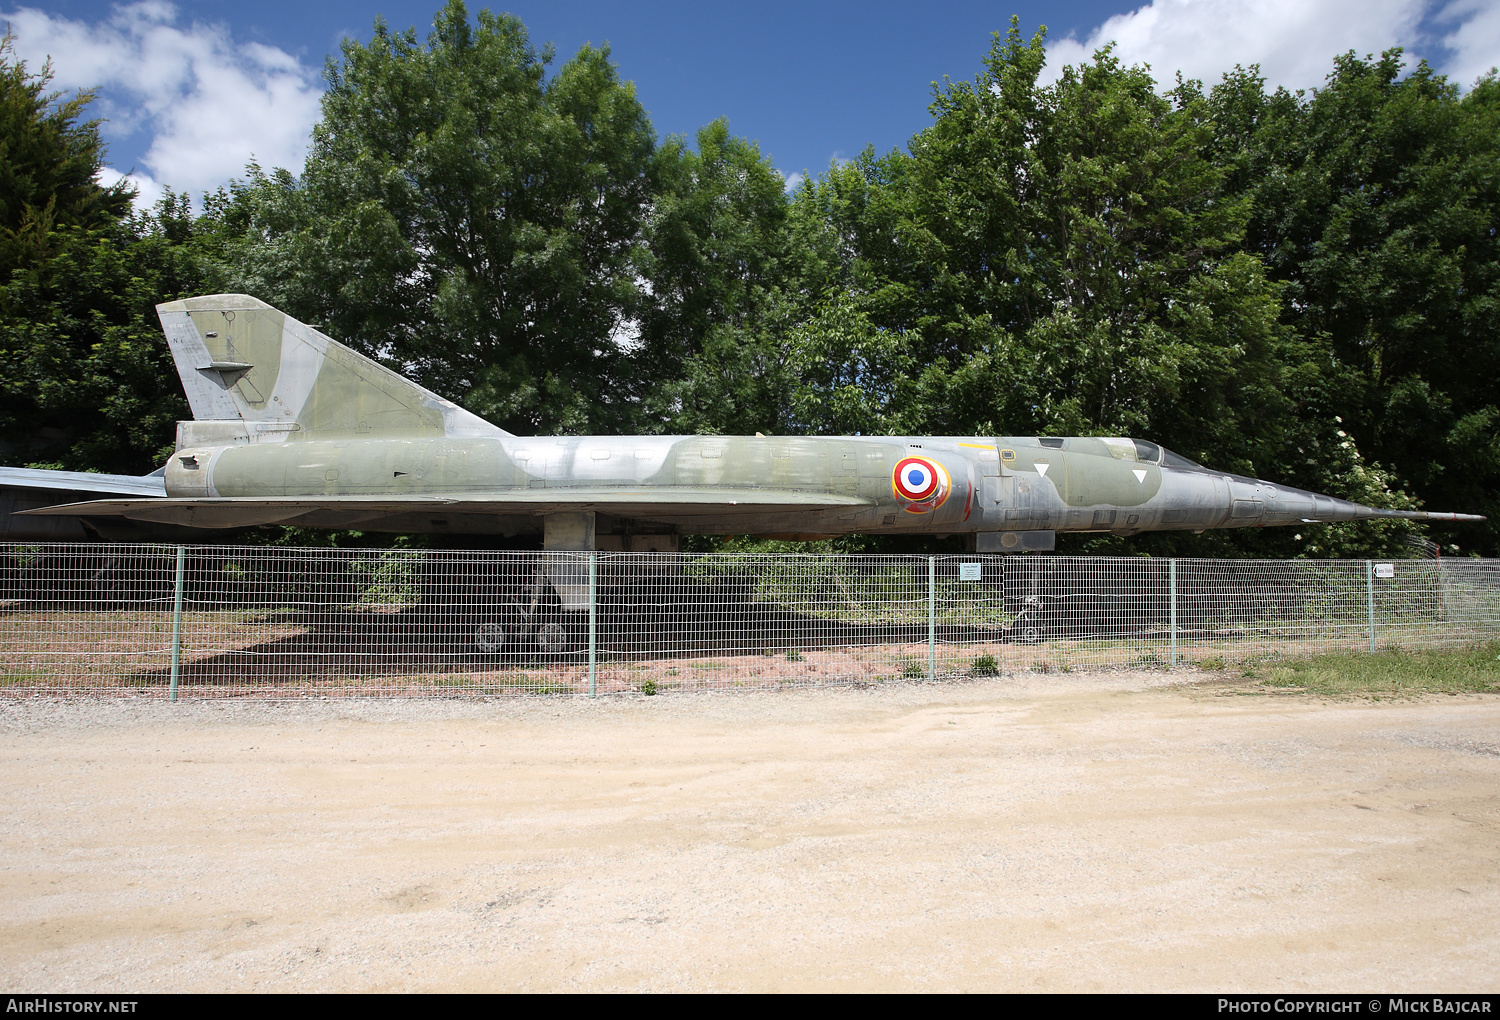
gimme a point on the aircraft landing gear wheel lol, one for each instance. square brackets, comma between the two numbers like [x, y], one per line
[553, 638]
[490, 638]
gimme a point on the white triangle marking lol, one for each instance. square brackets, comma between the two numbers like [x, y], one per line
[1140, 474]
[1041, 467]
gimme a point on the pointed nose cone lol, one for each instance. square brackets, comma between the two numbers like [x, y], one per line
[1195, 497]
[1278, 504]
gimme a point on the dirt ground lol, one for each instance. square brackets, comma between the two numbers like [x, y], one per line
[1110, 831]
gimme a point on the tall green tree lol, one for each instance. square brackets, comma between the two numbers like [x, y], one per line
[468, 218]
[1299, 287]
[713, 253]
[1058, 259]
[49, 163]
[85, 379]
[1374, 203]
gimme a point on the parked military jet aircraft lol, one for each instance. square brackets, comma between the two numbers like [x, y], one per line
[291, 427]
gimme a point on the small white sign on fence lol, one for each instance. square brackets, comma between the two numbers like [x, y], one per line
[1385, 570]
[970, 571]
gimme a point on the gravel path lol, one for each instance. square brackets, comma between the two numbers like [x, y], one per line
[1089, 831]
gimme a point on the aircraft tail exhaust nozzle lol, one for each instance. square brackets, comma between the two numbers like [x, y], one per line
[247, 364]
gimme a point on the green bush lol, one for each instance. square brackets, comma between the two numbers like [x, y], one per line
[984, 665]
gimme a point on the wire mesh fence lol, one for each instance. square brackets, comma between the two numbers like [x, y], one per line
[237, 621]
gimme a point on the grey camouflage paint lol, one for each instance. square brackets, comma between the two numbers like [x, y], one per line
[291, 427]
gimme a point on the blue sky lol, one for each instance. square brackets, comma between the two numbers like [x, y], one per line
[191, 90]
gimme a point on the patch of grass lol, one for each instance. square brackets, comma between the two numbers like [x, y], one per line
[984, 665]
[1211, 662]
[20, 677]
[1393, 672]
[474, 684]
[648, 687]
[911, 669]
[547, 688]
[506, 683]
[1041, 667]
[1280, 676]
[792, 655]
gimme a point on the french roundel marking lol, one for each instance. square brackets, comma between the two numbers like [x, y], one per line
[915, 478]
[922, 482]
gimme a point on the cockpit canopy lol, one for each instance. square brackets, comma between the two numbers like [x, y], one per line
[1123, 448]
[1150, 453]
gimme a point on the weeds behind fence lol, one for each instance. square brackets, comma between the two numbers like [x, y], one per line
[270, 622]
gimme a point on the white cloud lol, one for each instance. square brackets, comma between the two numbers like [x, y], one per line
[147, 189]
[210, 104]
[1475, 39]
[1293, 41]
[793, 180]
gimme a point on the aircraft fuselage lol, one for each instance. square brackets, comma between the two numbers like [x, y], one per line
[1003, 484]
[291, 427]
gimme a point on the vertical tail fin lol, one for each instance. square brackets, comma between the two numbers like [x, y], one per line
[243, 361]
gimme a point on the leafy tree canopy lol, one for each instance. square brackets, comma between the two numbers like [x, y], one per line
[468, 217]
[1301, 287]
[85, 379]
[49, 162]
[1374, 203]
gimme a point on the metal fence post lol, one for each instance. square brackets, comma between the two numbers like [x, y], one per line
[932, 617]
[1370, 599]
[177, 621]
[1172, 613]
[593, 623]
